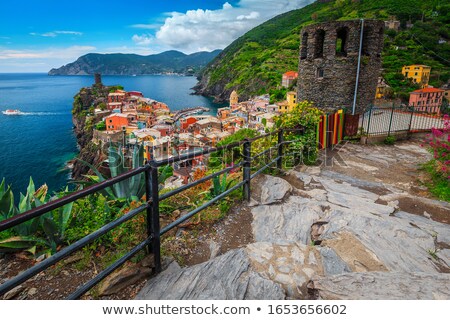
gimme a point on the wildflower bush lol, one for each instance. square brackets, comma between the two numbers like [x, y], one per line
[439, 167]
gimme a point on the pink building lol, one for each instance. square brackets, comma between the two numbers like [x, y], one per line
[427, 100]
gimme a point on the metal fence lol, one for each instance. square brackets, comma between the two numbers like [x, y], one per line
[151, 207]
[391, 120]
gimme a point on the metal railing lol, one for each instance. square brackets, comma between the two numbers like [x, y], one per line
[151, 207]
[390, 120]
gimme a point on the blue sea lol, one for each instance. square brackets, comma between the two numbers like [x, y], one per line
[39, 142]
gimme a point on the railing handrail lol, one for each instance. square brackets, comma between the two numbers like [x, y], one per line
[151, 206]
[55, 204]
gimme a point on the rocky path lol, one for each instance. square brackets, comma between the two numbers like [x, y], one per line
[358, 228]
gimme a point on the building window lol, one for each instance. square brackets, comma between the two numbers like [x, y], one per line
[341, 42]
[320, 39]
[319, 73]
[304, 48]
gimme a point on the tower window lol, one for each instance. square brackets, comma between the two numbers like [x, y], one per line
[367, 37]
[304, 47]
[320, 39]
[341, 42]
[319, 73]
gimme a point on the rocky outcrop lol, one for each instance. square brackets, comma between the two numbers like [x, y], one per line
[227, 277]
[382, 286]
[87, 98]
[269, 189]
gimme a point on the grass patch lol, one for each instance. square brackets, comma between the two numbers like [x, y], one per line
[438, 185]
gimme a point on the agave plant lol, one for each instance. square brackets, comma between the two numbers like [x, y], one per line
[132, 188]
[46, 231]
[219, 186]
[6, 201]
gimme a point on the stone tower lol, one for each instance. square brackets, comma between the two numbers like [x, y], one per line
[329, 61]
[98, 79]
[234, 98]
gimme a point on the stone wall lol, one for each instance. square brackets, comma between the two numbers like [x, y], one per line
[327, 74]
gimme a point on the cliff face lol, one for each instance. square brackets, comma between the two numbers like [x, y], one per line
[84, 102]
[130, 64]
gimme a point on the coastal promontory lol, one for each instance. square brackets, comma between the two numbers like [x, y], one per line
[133, 64]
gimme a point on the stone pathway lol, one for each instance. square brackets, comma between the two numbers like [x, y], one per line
[353, 230]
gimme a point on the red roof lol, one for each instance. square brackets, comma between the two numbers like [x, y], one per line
[428, 90]
[291, 74]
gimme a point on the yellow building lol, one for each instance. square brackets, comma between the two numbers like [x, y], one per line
[288, 105]
[291, 98]
[234, 98]
[419, 73]
[383, 89]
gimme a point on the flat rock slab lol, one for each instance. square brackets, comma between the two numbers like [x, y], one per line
[395, 242]
[227, 277]
[269, 189]
[290, 221]
[381, 286]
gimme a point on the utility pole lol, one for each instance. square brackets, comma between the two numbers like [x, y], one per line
[359, 66]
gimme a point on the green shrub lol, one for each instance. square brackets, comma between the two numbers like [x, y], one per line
[101, 126]
[390, 140]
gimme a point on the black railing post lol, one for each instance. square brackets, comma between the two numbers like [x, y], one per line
[280, 149]
[390, 120]
[153, 218]
[246, 169]
[368, 121]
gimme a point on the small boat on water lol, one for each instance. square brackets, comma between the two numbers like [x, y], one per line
[11, 112]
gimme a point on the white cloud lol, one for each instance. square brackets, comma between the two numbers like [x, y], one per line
[251, 16]
[197, 30]
[142, 40]
[53, 34]
[150, 26]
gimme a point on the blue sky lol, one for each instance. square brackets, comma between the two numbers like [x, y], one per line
[36, 36]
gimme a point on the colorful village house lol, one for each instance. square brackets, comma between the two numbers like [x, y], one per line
[116, 121]
[289, 78]
[419, 74]
[427, 100]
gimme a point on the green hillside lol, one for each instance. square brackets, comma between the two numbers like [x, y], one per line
[254, 63]
[128, 64]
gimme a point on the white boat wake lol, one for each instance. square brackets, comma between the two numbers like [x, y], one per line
[20, 113]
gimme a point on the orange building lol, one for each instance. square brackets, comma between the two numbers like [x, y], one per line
[289, 78]
[116, 121]
[223, 113]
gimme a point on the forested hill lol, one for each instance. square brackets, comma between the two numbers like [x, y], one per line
[254, 63]
[129, 64]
